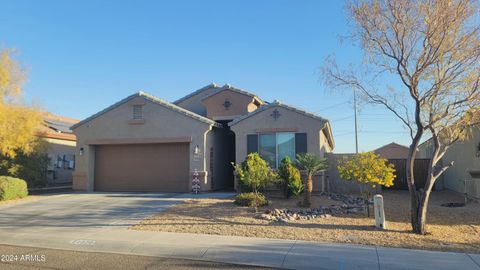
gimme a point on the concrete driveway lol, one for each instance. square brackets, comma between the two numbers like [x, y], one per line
[83, 212]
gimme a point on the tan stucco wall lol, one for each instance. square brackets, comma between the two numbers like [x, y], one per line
[463, 154]
[60, 148]
[324, 145]
[240, 104]
[424, 150]
[194, 103]
[160, 122]
[289, 121]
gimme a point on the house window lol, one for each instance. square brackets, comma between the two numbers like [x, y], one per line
[274, 147]
[137, 112]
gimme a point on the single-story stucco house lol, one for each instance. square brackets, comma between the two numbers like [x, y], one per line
[464, 175]
[143, 143]
[392, 151]
[61, 145]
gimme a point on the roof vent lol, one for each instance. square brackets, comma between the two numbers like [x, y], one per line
[276, 101]
[227, 85]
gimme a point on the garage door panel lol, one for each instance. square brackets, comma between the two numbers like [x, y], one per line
[142, 167]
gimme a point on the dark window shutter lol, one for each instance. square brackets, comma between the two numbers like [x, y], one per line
[252, 143]
[300, 143]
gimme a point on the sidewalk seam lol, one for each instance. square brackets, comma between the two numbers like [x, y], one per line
[378, 257]
[205, 252]
[475, 262]
[288, 252]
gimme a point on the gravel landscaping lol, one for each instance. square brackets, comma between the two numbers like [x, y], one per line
[331, 220]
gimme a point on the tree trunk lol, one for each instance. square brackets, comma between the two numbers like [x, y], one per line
[308, 192]
[414, 193]
[420, 198]
[419, 221]
[323, 183]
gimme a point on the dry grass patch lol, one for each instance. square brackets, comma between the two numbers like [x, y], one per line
[450, 229]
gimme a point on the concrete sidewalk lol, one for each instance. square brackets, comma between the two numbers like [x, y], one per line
[99, 222]
[241, 250]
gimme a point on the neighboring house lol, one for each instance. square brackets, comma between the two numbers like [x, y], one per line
[397, 155]
[143, 143]
[61, 148]
[392, 151]
[466, 160]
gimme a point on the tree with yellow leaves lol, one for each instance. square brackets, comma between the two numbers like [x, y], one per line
[429, 51]
[369, 170]
[18, 123]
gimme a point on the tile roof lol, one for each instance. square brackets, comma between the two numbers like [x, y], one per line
[153, 99]
[277, 103]
[235, 89]
[212, 85]
[57, 127]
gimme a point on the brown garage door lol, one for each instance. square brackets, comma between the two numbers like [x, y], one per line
[142, 167]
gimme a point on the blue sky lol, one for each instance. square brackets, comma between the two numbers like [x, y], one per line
[82, 56]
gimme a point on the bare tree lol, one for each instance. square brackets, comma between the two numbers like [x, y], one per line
[430, 51]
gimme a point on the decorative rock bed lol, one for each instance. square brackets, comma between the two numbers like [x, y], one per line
[351, 205]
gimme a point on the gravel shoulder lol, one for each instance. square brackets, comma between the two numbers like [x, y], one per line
[450, 229]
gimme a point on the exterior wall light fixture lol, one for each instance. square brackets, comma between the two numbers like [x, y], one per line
[196, 150]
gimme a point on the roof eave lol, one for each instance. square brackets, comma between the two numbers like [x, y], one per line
[273, 104]
[154, 99]
[211, 85]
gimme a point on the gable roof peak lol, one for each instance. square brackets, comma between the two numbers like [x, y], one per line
[155, 100]
[228, 86]
[208, 86]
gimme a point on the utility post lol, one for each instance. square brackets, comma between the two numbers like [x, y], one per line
[355, 114]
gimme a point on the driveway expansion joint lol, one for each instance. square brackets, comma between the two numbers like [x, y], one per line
[288, 252]
[475, 262]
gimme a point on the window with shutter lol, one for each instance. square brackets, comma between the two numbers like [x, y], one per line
[273, 147]
[252, 143]
[300, 143]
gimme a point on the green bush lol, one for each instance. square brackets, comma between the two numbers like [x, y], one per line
[296, 187]
[254, 173]
[12, 188]
[290, 182]
[251, 199]
[32, 167]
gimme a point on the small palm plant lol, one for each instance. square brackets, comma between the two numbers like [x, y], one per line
[310, 164]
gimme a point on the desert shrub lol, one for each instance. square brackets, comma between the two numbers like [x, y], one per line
[290, 182]
[254, 173]
[32, 166]
[296, 187]
[12, 188]
[251, 199]
[368, 170]
[310, 164]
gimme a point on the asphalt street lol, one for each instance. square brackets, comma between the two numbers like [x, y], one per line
[29, 258]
